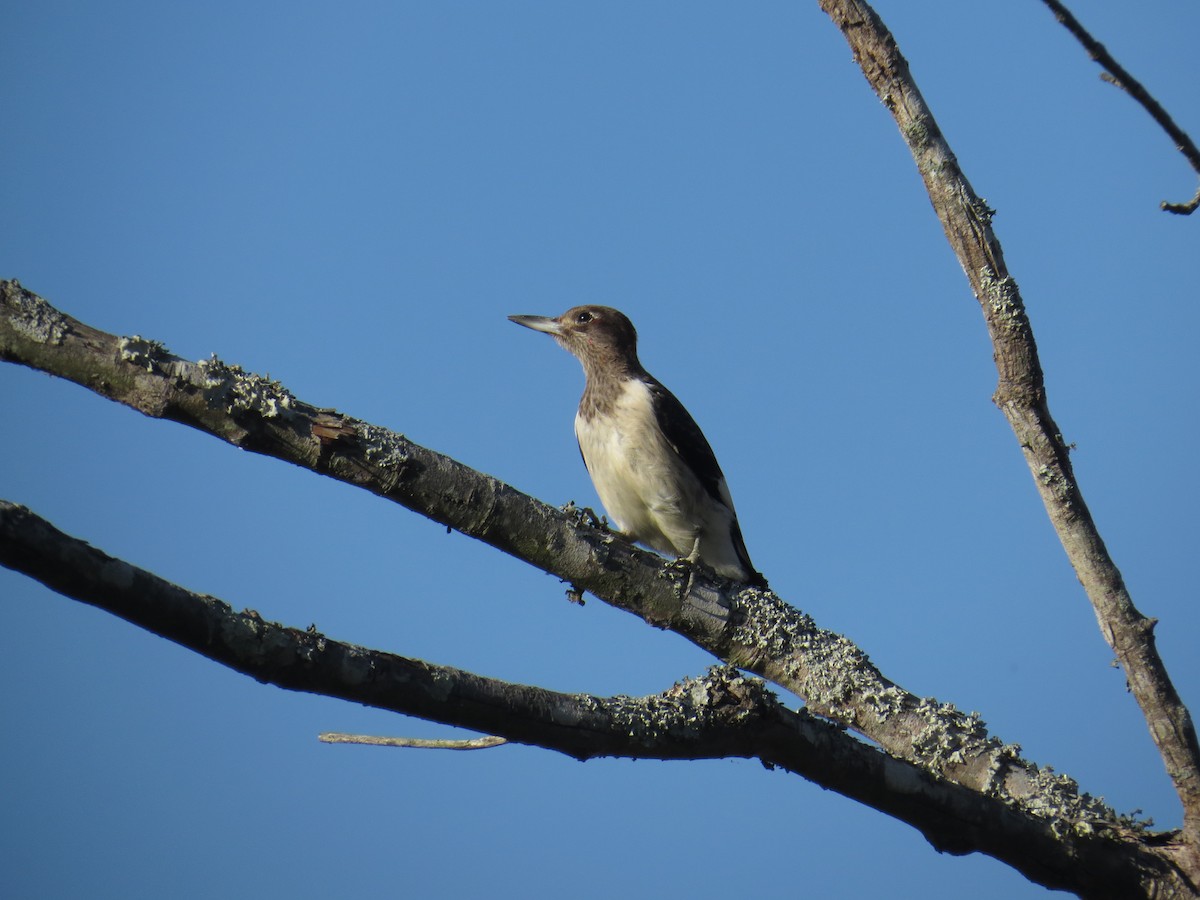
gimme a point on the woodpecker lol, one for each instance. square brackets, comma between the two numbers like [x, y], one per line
[652, 466]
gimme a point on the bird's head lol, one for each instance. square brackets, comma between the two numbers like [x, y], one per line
[600, 336]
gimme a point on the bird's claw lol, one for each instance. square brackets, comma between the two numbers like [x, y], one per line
[681, 571]
[584, 515]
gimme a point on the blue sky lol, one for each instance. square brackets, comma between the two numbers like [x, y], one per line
[353, 197]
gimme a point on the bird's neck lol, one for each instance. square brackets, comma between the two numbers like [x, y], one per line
[606, 382]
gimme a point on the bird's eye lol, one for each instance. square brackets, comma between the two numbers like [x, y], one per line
[583, 318]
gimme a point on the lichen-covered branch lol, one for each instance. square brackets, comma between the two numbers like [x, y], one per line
[749, 628]
[722, 714]
[1116, 74]
[1021, 395]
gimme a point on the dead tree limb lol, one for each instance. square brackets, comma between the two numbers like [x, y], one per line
[749, 628]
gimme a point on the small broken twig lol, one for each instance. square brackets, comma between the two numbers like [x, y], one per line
[481, 743]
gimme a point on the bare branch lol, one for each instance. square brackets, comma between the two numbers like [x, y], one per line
[752, 629]
[1116, 75]
[722, 714]
[1021, 395]
[480, 743]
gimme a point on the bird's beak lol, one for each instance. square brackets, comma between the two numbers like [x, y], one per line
[539, 323]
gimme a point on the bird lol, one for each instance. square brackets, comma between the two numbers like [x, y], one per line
[650, 463]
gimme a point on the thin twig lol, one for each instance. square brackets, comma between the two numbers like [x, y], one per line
[1116, 74]
[480, 743]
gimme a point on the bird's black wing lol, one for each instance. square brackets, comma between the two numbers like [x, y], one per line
[692, 447]
[687, 440]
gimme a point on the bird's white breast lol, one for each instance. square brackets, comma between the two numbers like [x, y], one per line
[644, 486]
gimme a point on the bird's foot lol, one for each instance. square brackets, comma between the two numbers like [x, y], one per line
[583, 515]
[681, 571]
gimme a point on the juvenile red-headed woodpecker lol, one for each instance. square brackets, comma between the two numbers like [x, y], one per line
[652, 466]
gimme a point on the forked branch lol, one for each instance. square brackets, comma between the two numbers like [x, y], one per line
[751, 629]
[992, 790]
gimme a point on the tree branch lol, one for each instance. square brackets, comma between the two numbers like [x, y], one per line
[751, 629]
[722, 714]
[1116, 74]
[1021, 395]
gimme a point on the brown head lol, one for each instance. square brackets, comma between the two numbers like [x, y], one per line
[603, 339]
